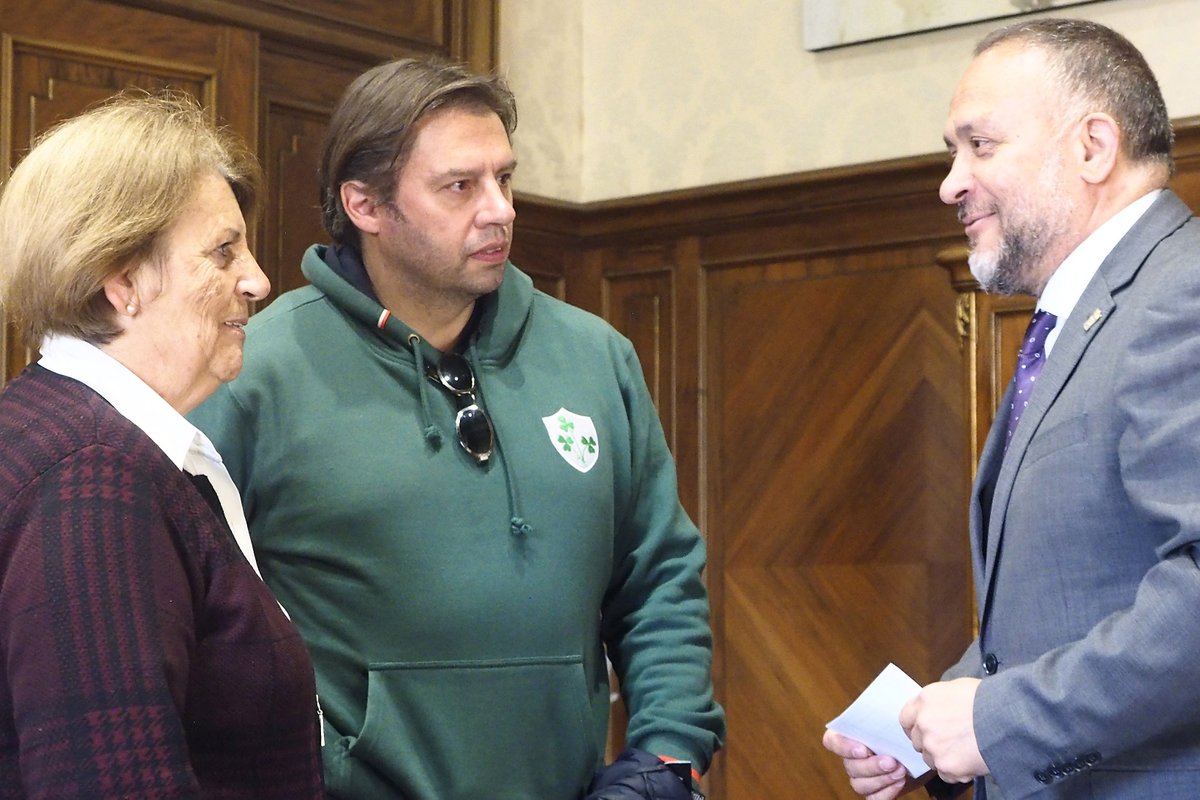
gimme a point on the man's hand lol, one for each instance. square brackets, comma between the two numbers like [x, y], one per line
[872, 776]
[940, 722]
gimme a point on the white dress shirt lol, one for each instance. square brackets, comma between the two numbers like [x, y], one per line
[187, 447]
[1066, 285]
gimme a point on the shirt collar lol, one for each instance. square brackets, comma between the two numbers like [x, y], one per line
[1066, 285]
[128, 394]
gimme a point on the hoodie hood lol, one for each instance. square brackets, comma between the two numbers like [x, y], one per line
[338, 271]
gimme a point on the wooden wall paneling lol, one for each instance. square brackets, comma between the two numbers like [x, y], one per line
[637, 299]
[836, 476]
[359, 29]
[292, 216]
[824, 226]
[649, 294]
[473, 33]
[893, 202]
[688, 438]
[297, 96]
[236, 82]
[544, 257]
[689, 331]
[114, 28]
[548, 247]
[423, 23]
[991, 327]
[1186, 181]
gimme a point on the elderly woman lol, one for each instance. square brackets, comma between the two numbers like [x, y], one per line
[140, 653]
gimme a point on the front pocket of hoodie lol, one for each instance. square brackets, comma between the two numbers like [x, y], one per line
[507, 728]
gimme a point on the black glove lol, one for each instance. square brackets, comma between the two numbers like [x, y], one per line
[637, 775]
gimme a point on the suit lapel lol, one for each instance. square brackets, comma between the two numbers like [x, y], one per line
[1094, 308]
[983, 499]
[1072, 342]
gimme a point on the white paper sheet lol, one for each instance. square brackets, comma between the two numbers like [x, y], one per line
[874, 718]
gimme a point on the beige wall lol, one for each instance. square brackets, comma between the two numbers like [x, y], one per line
[620, 98]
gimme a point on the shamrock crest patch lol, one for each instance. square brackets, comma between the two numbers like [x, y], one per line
[574, 437]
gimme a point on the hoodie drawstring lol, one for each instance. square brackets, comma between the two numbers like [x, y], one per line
[517, 526]
[431, 432]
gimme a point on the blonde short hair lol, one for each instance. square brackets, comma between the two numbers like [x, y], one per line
[94, 197]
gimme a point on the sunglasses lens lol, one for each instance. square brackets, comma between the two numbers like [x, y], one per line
[475, 432]
[455, 374]
[472, 425]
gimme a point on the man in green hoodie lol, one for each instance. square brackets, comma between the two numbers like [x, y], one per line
[458, 486]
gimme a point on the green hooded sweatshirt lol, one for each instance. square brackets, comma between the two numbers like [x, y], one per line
[459, 614]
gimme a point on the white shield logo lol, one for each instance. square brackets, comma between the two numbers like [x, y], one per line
[574, 437]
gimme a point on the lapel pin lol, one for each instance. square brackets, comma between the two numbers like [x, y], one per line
[1092, 320]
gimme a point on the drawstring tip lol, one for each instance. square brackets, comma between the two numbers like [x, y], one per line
[433, 436]
[519, 527]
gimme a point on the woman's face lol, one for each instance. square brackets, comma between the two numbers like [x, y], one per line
[192, 305]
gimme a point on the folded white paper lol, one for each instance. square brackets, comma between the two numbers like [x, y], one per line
[874, 718]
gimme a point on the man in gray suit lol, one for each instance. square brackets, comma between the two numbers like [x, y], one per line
[1085, 515]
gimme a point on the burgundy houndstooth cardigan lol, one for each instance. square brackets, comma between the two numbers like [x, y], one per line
[140, 655]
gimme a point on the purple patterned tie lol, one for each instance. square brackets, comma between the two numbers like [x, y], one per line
[1029, 366]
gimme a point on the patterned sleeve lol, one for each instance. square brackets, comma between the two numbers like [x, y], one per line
[96, 631]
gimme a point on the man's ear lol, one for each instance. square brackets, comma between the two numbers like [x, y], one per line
[361, 206]
[1100, 137]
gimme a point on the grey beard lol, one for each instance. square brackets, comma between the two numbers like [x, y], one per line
[1009, 274]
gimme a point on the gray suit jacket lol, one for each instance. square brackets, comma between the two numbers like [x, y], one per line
[1084, 539]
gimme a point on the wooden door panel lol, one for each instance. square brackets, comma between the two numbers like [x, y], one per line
[837, 503]
[292, 221]
[991, 327]
[297, 98]
[639, 305]
[113, 28]
[419, 22]
[367, 31]
[53, 83]
[544, 259]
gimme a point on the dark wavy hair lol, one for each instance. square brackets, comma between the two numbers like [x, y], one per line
[371, 132]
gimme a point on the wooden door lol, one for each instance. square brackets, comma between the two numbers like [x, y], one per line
[837, 517]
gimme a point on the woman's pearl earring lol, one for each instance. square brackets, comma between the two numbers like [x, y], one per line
[131, 308]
